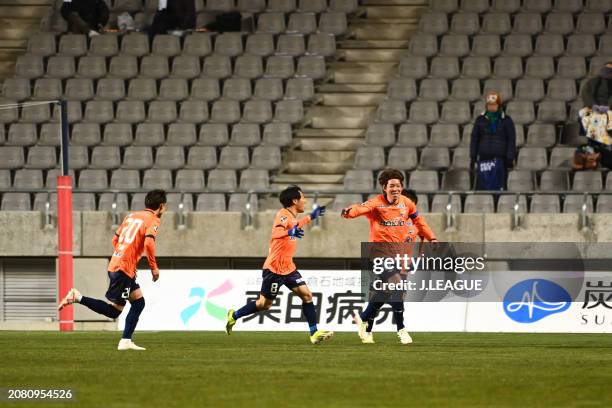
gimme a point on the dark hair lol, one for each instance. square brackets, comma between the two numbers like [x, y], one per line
[390, 174]
[289, 194]
[154, 199]
[411, 194]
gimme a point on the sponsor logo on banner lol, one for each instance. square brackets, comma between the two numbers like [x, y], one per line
[201, 298]
[534, 299]
[597, 305]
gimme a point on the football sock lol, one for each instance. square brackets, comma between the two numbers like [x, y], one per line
[248, 309]
[370, 325]
[398, 314]
[371, 311]
[100, 306]
[311, 316]
[132, 317]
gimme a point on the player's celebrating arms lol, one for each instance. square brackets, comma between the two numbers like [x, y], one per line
[389, 214]
[279, 268]
[136, 234]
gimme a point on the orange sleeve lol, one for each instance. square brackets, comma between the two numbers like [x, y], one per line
[304, 221]
[357, 210]
[150, 251]
[420, 223]
[281, 226]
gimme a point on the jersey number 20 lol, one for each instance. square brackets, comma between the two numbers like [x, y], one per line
[129, 231]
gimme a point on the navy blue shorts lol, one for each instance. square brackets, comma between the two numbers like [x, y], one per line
[120, 287]
[273, 281]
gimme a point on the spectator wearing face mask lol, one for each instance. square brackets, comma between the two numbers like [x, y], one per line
[493, 145]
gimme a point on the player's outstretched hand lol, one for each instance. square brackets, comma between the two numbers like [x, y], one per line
[345, 212]
[155, 273]
[296, 232]
[318, 211]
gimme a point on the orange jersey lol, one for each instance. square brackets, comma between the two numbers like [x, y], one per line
[282, 246]
[389, 222]
[130, 240]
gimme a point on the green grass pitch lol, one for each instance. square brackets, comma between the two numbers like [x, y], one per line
[277, 369]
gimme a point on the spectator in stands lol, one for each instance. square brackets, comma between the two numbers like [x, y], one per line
[85, 16]
[493, 145]
[174, 17]
[596, 116]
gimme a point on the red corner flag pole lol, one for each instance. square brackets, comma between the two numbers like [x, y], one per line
[64, 227]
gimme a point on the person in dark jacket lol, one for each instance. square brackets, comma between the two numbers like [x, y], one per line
[493, 145]
[174, 16]
[85, 16]
[598, 90]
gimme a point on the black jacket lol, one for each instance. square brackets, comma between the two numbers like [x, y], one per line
[93, 12]
[597, 91]
[486, 146]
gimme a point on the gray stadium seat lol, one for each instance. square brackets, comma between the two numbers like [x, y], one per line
[22, 134]
[333, 23]
[302, 23]
[29, 66]
[455, 112]
[73, 45]
[213, 134]
[16, 89]
[391, 111]
[541, 135]
[157, 178]
[517, 45]
[193, 111]
[277, 134]
[149, 134]
[197, 45]
[539, 67]
[456, 180]
[135, 44]
[93, 179]
[440, 202]
[272, 23]
[604, 204]
[532, 158]
[260, 44]
[562, 89]
[508, 67]
[486, 45]
[573, 203]
[47, 89]
[444, 67]
[105, 157]
[217, 66]
[436, 158]
[425, 112]
[170, 157]
[16, 202]
[561, 157]
[433, 23]
[138, 158]
[211, 202]
[424, 45]
[238, 89]
[222, 180]
[521, 181]
[254, 179]
[42, 44]
[154, 66]
[322, 44]
[591, 23]
[402, 158]
[311, 66]
[249, 66]
[28, 179]
[104, 45]
[413, 67]
[220, 5]
[453, 45]
[266, 158]
[245, 134]
[301, 89]
[256, 111]
[162, 112]
[581, 45]
[461, 158]
[279, 66]
[444, 6]
[91, 67]
[341, 201]
[86, 134]
[538, 6]
[107, 199]
[587, 181]
[234, 158]
[506, 6]
[78, 157]
[433, 90]
[36, 114]
[118, 134]
[549, 45]
[173, 89]
[598, 6]
[476, 67]
[166, 45]
[186, 66]
[466, 23]
[49, 134]
[554, 180]
[497, 23]
[202, 158]
[238, 202]
[205, 89]
[545, 204]
[444, 135]
[522, 112]
[79, 89]
[424, 180]
[506, 203]
[229, 44]
[251, 6]
[358, 180]
[370, 158]
[125, 179]
[466, 89]
[559, 23]
[290, 44]
[123, 66]
[605, 43]
[552, 111]
[141, 89]
[475, 6]
[113, 89]
[413, 135]
[5, 179]
[343, 6]
[190, 180]
[481, 204]
[529, 89]
[181, 134]
[60, 66]
[380, 134]
[289, 111]
[130, 112]
[527, 23]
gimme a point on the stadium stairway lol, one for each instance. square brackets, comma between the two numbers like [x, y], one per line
[366, 59]
[19, 19]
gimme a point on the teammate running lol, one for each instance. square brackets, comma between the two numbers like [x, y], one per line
[389, 214]
[279, 268]
[136, 234]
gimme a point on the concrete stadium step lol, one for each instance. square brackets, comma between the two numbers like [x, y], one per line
[366, 73]
[319, 168]
[382, 31]
[394, 11]
[353, 117]
[33, 11]
[352, 99]
[331, 144]
[323, 133]
[352, 88]
[318, 182]
[389, 54]
[372, 44]
[319, 162]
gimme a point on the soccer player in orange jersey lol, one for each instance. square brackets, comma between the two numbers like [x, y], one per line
[389, 214]
[279, 269]
[135, 235]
